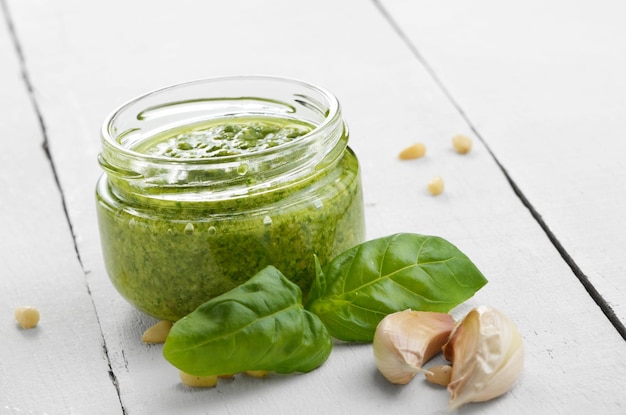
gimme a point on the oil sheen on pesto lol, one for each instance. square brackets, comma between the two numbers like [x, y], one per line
[168, 257]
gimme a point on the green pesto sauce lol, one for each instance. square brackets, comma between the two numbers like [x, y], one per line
[236, 137]
[168, 258]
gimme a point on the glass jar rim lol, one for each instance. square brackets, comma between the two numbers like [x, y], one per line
[334, 112]
[326, 140]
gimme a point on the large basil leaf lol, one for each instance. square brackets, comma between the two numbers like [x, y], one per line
[260, 325]
[364, 284]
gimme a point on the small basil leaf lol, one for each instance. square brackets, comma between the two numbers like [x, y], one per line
[364, 284]
[260, 325]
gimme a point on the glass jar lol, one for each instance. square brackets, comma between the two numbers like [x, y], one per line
[187, 213]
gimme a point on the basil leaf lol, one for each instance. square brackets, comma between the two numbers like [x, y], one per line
[402, 271]
[260, 325]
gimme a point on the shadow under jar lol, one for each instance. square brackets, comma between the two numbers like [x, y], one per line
[206, 183]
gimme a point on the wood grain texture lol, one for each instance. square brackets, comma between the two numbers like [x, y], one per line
[544, 87]
[95, 56]
[59, 366]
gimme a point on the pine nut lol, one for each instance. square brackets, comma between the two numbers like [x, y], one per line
[198, 381]
[435, 186]
[257, 373]
[157, 333]
[462, 143]
[414, 151]
[27, 317]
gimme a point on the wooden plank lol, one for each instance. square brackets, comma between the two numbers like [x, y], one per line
[544, 86]
[95, 56]
[58, 366]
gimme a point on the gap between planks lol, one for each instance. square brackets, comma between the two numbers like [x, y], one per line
[580, 275]
[46, 149]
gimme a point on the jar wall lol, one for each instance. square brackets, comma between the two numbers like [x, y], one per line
[168, 261]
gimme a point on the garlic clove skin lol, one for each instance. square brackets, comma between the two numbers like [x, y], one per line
[405, 340]
[487, 356]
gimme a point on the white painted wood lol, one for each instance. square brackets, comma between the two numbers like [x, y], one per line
[94, 56]
[545, 86]
[59, 366]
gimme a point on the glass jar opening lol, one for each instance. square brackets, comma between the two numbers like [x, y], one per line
[127, 132]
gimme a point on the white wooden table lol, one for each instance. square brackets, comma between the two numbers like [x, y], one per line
[538, 204]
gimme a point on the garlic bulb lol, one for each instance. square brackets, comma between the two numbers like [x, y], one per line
[487, 356]
[405, 340]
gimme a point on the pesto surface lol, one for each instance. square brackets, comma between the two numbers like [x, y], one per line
[221, 138]
[168, 258]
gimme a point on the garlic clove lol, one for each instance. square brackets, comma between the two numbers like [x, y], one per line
[487, 356]
[405, 340]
